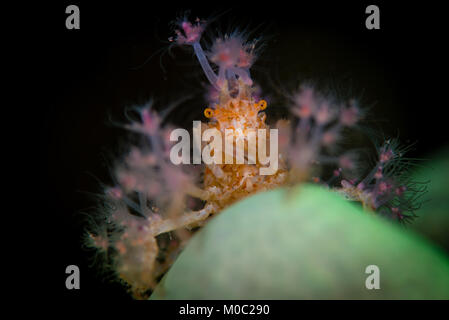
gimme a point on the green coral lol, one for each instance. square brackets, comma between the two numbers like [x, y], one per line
[304, 243]
[433, 216]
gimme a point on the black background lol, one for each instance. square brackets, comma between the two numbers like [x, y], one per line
[93, 73]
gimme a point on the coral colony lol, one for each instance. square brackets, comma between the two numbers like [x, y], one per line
[158, 193]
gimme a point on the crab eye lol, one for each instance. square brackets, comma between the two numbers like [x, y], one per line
[262, 105]
[208, 112]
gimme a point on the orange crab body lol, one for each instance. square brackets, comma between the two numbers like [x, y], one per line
[238, 116]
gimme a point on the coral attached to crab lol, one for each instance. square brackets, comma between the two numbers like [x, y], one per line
[154, 196]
